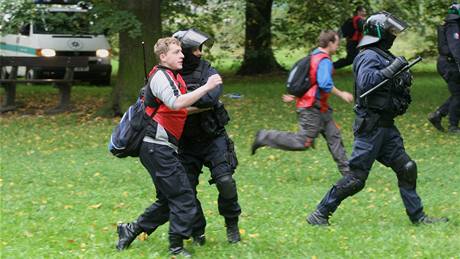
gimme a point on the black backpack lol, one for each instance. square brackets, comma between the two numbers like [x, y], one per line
[298, 81]
[347, 28]
[128, 135]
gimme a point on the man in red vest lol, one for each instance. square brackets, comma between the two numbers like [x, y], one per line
[353, 38]
[176, 202]
[315, 114]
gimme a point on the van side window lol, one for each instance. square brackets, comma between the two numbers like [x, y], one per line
[25, 30]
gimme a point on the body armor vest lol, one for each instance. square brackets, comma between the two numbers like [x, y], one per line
[443, 47]
[205, 124]
[196, 78]
[393, 98]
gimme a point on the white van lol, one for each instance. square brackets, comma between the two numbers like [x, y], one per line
[41, 39]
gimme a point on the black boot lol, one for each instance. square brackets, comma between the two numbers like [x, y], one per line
[233, 231]
[127, 232]
[176, 247]
[198, 240]
[317, 218]
[435, 119]
[426, 220]
[454, 129]
[179, 252]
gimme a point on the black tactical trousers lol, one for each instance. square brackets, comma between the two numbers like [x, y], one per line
[175, 198]
[213, 153]
[449, 72]
[386, 146]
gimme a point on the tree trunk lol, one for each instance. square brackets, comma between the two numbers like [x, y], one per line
[130, 78]
[258, 54]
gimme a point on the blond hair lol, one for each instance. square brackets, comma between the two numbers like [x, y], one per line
[327, 36]
[162, 45]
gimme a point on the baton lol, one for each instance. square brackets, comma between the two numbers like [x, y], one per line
[145, 65]
[411, 64]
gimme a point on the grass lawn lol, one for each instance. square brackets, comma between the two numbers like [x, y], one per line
[62, 193]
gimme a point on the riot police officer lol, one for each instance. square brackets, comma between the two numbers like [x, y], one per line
[449, 68]
[205, 141]
[376, 136]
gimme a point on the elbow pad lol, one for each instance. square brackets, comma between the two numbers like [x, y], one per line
[394, 67]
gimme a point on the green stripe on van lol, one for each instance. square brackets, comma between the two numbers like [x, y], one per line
[17, 48]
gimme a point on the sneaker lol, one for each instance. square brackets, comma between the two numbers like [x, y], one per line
[426, 220]
[127, 232]
[318, 219]
[199, 240]
[435, 119]
[454, 130]
[257, 142]
[179, 252]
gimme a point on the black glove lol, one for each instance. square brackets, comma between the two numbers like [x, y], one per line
[394, 67]
[406, 78]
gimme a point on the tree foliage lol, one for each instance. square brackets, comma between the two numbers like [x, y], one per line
[102, 18]
[299, 22]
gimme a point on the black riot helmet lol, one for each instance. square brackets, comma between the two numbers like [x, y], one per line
[193, 38]
[453, 13]
[380, 27]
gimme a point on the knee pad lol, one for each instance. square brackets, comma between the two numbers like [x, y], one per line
[226, 186]
[408, 176]
[349, 185]
[406, 171]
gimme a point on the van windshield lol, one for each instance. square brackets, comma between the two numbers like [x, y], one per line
[64, 23]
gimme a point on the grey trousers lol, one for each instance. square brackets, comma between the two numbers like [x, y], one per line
[311, 123]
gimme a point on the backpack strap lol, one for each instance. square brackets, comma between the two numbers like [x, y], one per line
[151, 103]
[382, 53]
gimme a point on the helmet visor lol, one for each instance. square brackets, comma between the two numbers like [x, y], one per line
[193, 39]
[394, 25]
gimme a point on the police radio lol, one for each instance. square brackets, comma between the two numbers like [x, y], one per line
[407, 67]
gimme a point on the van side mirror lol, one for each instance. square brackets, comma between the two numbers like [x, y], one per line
[25, 30]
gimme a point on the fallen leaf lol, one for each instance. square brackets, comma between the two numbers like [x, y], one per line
[96, 206]
[143, 236]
